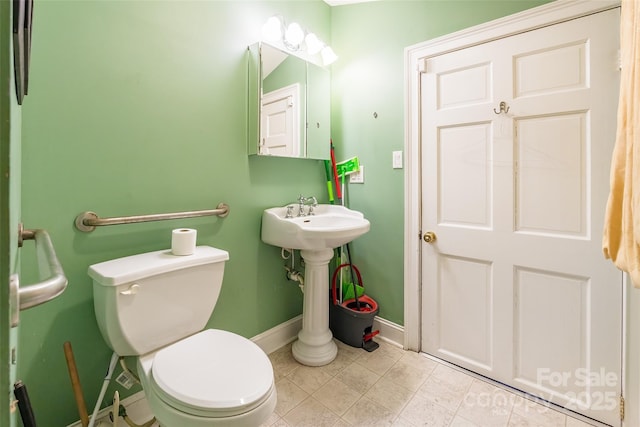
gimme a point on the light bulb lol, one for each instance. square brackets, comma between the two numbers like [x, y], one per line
[272, 29]
[328, 55]
[294, 35]
[314, 45]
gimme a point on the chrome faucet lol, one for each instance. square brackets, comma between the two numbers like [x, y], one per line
[289, 212]
[311, 202]
[301, 200]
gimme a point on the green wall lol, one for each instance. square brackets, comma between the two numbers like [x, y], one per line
[139, 107]
[368, 78]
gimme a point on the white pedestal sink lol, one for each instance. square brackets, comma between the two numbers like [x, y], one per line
[315, 236]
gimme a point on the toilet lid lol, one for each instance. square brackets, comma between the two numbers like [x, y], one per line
[212, 371]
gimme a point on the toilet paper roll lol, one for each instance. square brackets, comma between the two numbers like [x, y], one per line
[183, 241]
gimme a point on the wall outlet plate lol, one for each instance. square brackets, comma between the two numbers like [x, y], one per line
[357, 177]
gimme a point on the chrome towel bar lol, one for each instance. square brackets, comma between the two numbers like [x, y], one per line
[88, 221]
[55, 283]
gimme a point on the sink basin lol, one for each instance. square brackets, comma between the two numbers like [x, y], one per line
[316, 236]
[330, 227]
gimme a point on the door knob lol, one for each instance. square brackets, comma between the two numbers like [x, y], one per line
[429, 237]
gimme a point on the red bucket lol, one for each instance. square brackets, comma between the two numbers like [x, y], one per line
[352, 304]
[364, 304]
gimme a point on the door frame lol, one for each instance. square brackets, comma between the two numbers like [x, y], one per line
[415, 56]
[7, 370]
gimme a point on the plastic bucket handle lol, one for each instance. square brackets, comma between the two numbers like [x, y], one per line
[335, 276]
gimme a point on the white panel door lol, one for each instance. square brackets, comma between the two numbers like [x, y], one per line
[515, 286]
[279, 118]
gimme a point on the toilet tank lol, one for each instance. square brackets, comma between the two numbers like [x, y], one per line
[144, 302]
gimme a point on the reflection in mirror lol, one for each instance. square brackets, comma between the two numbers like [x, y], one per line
[282, 110]
[288, 105]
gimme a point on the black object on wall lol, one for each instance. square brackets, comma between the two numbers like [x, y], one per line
[24, 404]
[22, 23]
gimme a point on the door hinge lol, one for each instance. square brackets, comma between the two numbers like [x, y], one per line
[619, 60]
[422, 65]
[621, 407]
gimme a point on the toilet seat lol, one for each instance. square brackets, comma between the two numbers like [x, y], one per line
[213, 373]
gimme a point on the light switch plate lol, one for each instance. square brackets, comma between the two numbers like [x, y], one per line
[357, 177]
[397, 159]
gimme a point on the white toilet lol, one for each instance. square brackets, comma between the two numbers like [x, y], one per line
[155, 306]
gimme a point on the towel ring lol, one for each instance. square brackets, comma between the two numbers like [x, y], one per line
[504, 108]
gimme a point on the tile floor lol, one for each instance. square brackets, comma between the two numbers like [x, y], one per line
[393, 387]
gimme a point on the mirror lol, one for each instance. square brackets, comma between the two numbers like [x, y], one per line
[289, 105]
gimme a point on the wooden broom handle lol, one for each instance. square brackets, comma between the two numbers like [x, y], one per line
[75, 383]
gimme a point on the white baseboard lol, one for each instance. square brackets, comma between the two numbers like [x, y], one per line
[279, 336]
[271, 340]
[389, 331]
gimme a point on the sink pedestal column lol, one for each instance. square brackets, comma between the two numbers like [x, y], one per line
[315, 346]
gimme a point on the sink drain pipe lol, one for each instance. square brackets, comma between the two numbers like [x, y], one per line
[292, 274]
[295, 276]
[103, 390]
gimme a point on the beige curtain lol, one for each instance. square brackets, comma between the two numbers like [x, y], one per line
[621, 241]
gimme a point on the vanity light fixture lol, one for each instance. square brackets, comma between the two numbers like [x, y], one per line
[272, 29]
[328, 55]
[314, 44]
[293, 36]
[295, 39]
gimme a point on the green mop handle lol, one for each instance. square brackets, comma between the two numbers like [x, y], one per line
[327, 171]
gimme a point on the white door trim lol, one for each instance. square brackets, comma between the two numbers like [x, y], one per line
[549, 14]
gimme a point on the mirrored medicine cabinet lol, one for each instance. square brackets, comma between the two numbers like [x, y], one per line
[289, 105]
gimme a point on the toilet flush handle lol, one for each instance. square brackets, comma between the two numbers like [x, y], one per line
[133, 289]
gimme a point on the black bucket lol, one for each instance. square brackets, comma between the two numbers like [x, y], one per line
[352, 321]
